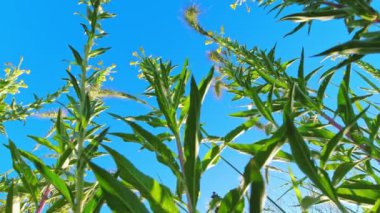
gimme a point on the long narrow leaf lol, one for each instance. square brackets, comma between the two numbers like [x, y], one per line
[258, 194]
[153, 143]
[118, 196]
[301, 154]
[158, 195]
[26, 174]
[13, 200]
[191, 145]
[56, 181]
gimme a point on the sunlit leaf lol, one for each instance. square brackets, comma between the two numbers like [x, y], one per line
[25, 173]
[193, 165]
[118, 196]
[158, 195]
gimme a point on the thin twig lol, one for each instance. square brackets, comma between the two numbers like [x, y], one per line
[43, 199]
[331, 121]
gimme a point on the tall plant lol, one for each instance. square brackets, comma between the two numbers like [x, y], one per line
[347, 155]
[76, 136]
[335, 149]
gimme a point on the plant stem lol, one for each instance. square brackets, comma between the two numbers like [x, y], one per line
[181, 157]
[331, 121]
[82, 128]
[79, 177]
[43, 200]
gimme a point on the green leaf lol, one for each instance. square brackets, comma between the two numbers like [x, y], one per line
[205, 84]
[97, 52]
[253, 149]
[371, 172]
[13, 200]
[260, 106]
[342, 170]
[253, 175]
[296, 29]
[126, 137]
[270, 148]
[62, 136]
[266, 149]
[56, 181]
[78, 58]
[159, 81]
[45, 142]
[158, 196]
[153, 143]
[240, 129]
[359, 47]
[179, 90]
[296, 189]
[64, 157]
[312, 73]
[29, 156]
[345, 109]
[369, 68]
[25, 173]
[361, 192]
[369, 82]
[301, 154]
[309, 201]
[118, 196]
[244, 114]
[211, 157]
[301, 75]
[193, 165]
[232, 202]
[94, 144]
[322, 15]
[271, 79]
[328, 149]
[327, 76]
[95, 203]
[376, 207]
[57, 206]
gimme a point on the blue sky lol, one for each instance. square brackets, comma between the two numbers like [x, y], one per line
[40, 31]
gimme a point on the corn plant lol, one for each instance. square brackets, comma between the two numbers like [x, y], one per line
[76, 136]
[347, 155]
[335, 149]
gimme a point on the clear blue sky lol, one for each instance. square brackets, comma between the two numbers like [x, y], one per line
[40, 31]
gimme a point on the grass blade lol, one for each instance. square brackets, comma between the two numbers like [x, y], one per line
[192, 165]
[158, 196]
[26, 174]
[56, 181]
[118, 196]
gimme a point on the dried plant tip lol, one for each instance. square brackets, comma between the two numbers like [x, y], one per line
[191, 15]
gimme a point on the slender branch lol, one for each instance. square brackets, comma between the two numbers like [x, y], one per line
[43, 199]
[331, 121]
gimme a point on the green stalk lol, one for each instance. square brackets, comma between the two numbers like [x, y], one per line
[181, 157]
[82, 127]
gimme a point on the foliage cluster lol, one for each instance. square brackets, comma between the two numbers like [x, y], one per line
[336, 150]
